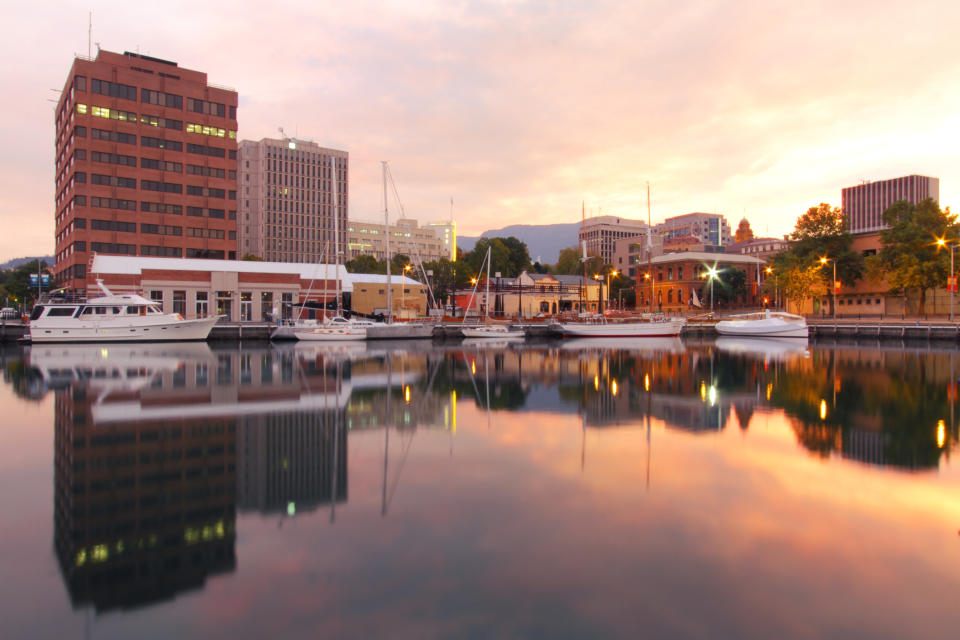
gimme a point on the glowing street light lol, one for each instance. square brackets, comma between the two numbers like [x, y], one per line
[952, 282]
[824, 260]
[711, 275]
[776, 288]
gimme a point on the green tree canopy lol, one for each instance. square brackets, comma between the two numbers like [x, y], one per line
[911, 257]
[508, 255]
[365, 264]
[819, 233]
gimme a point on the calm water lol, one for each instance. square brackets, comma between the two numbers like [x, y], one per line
[724, 489]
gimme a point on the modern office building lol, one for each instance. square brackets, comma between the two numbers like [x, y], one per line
[420, 244]
[709, 228]
[602, 232]
[145, 164]
[290, 202]
[448, 236]
[864, 204]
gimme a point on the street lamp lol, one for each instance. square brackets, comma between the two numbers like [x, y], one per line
[824, 261]
[599, 279]
[609, 296]
[403, 288]
[952, 283]
[776, 288]
[712, 275]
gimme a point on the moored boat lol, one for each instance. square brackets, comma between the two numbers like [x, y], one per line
[601, 327]
[114, 318]
[495, 331]
[766, 324]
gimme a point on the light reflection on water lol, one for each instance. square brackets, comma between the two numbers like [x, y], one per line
[728, 488]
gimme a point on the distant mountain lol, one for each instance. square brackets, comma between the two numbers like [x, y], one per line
[543, 240]
[16, 262]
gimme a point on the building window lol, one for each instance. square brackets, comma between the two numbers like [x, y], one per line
[225, 304]
[266, 306]
[202, 302]
[157, 296]
[180, 302]
[246, 306]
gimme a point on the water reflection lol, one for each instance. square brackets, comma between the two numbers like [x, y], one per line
[157, 447]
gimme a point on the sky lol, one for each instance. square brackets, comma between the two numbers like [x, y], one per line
[521, 112]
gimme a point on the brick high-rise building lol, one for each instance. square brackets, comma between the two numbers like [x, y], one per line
[146, 159]
[864, 204]
[286, 200]
[601, 234]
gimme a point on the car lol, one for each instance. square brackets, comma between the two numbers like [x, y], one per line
[9, 313]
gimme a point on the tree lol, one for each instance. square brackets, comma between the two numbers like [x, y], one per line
[251, 258]
[822, 232]
[795, 278]
[442, 277]
[568, 263]
[365, 264]
[911, 257]
[541, 268]
[744, 232]
[17, 283]
[509, 256]
[731, 283]
[398, 262]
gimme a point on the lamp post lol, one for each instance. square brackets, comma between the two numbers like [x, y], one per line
[609, 291]
[776, 288]
[712, 275]
[599, 279]
[941, 242]
[403, 288]
[833, 283]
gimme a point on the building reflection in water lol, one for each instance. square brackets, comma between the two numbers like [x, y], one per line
[157, 446]
[148, 471]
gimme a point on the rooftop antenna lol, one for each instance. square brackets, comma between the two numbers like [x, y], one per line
[89, 32]
[451, 208]
[282, 134]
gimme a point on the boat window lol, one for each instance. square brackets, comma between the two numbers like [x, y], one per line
[87, 311]
[153, 310]
[62, 312]
[101, 311]
[132, 310]
[37, 312]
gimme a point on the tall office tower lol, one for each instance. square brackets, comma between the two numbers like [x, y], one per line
[708, 228]
[145, 164]
[864, 204]
[448, 236]
[602, 233]
[287, 208]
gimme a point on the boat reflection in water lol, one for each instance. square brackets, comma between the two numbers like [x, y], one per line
[164, 453]
[157, 446]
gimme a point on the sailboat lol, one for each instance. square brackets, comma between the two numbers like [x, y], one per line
[336, 328]
[395, 330]
[487, 330]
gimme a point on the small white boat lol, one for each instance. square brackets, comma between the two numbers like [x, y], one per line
[114, 318]
[291, 331]
[767, 324]
[495, 331]
[601, 327]
[332, 332]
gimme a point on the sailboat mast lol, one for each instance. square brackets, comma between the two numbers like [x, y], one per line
[486, 299]
[650, 247]
[386, 226]
[336, 236]
[583, 258]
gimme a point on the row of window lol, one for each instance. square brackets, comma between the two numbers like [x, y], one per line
[156, 143]
[151, 250]
[153, 121]
[159, 98]
[152, 185]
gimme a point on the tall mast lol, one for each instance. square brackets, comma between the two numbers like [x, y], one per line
[650, 247]
[336, 234]
[386, 225]
[583, 258]
[486, 299]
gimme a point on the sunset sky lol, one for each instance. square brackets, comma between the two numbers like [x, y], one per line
[518, 111]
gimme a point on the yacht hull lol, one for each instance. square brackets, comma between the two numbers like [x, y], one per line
[164, 328]
[623, 329]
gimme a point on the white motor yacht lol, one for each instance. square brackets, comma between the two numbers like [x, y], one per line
[114, 318]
